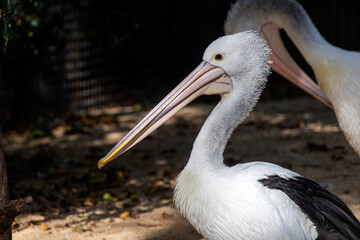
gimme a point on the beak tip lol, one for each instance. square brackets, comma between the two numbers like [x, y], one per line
[100, 164]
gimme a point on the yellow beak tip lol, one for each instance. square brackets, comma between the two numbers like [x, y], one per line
[100, 165]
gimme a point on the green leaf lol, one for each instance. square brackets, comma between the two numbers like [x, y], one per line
[34, 22]
[36, 133]
[107, 197]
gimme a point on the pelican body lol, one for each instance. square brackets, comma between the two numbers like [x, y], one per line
[337, 71]
[249, 201]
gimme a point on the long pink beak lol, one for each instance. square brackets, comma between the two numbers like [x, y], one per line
[205, 79]
[286, 66]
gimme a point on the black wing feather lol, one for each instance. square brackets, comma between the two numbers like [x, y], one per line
[332, 218]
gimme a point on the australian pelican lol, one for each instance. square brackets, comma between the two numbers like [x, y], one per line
[249, 201]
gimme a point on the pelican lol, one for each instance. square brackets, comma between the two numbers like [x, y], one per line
[337, 71]
[250, 201]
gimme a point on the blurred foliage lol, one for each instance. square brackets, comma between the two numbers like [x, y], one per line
[24, 17]
[111, 22]
[30, 28]
[7, 21]
[40, 129]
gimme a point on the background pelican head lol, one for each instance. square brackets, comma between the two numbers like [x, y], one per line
[233, 66]
[337, 70]
[268, 17]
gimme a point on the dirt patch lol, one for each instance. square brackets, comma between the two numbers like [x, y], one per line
[131, 198]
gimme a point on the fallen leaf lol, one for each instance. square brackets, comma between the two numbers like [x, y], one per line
[88, 202]
[15, 225]
[165, 215]
[44, 227]
[125, 215]
[107, 197]
[159, 184]
[120, 174]
[78, 229]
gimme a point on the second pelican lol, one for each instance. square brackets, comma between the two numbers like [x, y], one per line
[337, 71]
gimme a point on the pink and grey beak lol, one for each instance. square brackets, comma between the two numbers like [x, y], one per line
[205, 79]
[286, 66]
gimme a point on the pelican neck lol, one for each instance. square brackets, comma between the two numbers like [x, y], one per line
[210, 143]
[306, 37]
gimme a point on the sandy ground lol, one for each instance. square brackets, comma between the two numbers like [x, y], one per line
[301, 135]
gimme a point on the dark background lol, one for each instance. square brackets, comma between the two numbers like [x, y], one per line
[73, 56]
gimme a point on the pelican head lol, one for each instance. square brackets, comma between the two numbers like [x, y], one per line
[225, 69]
[268, 17]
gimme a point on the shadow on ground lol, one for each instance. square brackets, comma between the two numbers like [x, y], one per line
[78, 200]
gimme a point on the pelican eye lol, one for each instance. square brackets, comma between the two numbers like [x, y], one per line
[219, 57]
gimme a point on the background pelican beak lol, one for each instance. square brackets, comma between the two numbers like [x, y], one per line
[286, 66]
[205, 79]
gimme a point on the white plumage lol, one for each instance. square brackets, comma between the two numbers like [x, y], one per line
[230, 203]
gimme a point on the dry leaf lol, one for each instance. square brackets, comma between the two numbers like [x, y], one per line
[88, 202]
[165, 215]
[78, 228]
[15, 225]
[44, 227]
[120, 174]
[125, 215]
[159, 184]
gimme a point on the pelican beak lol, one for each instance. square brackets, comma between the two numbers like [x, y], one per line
[286, 66]
[205, 79]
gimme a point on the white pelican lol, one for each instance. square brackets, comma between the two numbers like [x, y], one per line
[337, 71]
[249, 201]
